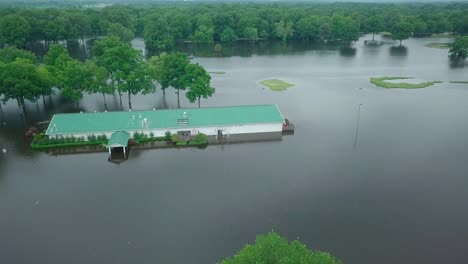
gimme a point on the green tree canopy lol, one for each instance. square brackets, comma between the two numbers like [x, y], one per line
[274, 249]
[97, 81]
[203, 34]
[344, 28]
[198, 82]
[401, 31]
[459, 49]
[375, 24]
[251, 33]
[171, 70]
[283, 30]
[15, 30]
[228, 35]
[22, 80]
[73, 79]
[121, 32]
[157, 34]
[308, 28]
[10, 54]
[119, 59]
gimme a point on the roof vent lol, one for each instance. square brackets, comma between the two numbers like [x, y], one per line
[184, 120]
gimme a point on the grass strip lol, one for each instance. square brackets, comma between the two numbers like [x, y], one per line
[438, 45]
[381, 82]
[276, 85]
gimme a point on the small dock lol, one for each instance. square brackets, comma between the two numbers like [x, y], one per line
[288, 127]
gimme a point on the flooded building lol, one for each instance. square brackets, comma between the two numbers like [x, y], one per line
[216, 122]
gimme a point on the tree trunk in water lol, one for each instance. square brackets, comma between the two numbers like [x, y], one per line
[164, 92]
[43, 101]
[105, 103]
[198, 102]
[21, 104]
[37, 105]
[400, 42]
[373, 33]
[129, 100]
[120, 97]
[178, 101]
[84, 45]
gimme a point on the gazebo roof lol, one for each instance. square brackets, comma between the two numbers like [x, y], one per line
[118, 139]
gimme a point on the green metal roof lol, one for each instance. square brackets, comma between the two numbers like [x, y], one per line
[118, 139]
[163, 119]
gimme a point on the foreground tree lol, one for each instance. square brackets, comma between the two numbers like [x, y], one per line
[401, 31]
[10, 54]
[375, 25]
[274, 249]
[22, 80]
[97, 80]
[198, 82]
[15, 30]
[73, 80]
[171, 70]
[119, 59]
[459, 49]
[138, 80]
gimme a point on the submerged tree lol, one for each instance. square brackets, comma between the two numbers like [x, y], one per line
[198, 82]
[375, 25]
[284, 30]
[402, 31]
[22, 80]
[97, 80]
[138, 80]
[459, 49]
[15, 30]
[171, 70]
[119, 59]
[73, 80]
[274, 249]
[228, 35]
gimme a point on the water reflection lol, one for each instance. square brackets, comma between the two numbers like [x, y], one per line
[401, 51]
[348, 51]
[247, 49]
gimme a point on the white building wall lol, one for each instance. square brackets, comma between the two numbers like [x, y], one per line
[210, 131]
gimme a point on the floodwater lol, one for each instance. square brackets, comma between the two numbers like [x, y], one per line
[392, 190]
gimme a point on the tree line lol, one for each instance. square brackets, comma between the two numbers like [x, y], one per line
[115, 67]
[163, 25]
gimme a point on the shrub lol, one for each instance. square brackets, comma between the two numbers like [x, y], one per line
[167, 136]
[200, 139]
[218, 47]
[181, 143]
[151, 134]
[175, 138]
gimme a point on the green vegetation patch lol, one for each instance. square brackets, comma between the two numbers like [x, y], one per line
[276, 85]
[273, 248]
[41, 141]
[459, 82]
[439, 45]
[381, 82]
